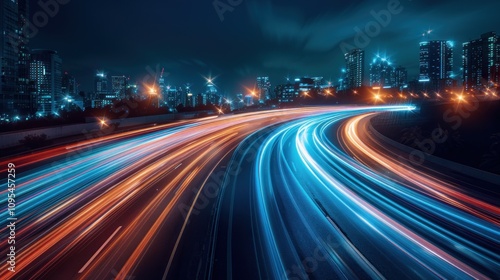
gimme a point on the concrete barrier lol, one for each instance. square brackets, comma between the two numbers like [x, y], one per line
[11, 139]
[447, 164]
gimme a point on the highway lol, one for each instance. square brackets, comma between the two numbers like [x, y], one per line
[325, 199]
[282, 194]
[105, 206]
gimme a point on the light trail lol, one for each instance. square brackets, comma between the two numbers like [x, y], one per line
[63, 202]
[409, 225]
[323, 198]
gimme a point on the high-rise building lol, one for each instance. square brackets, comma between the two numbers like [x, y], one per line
[190, 97]
[71, 96]
[180, 96]
[162, 87]
[69, 91]
[132, 89]
[46, 74]
[495, 75]
[176, 96]
[200, 99]
[436, 62]
[170, 96]
[118, 86]
[305, 84]
[68, 85]
[211, 96]
[342, 81]
[318, 81]
[289, 92]
[355, 70]
[25, 101]
[15, 91]
[479, 56]
[382, 73]
[401, 77]
[264, 88]
[239, 102]
[190, 100]
[101, 91]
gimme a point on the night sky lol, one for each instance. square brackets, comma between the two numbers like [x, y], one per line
[292, 37]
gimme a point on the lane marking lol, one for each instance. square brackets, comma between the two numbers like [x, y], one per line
[100, 249]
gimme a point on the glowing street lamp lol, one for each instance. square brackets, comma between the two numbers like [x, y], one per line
[255, 96]
[153, 92]
[102, 122]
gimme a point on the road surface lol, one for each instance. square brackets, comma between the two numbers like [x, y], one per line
[283, 194]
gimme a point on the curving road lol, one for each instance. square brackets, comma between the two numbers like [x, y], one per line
[284, 194]
[326, 199]
[115, 206]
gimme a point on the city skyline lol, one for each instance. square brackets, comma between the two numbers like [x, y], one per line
[310, 46]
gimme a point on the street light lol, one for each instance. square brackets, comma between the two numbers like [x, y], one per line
[152, 91]
[102, 122]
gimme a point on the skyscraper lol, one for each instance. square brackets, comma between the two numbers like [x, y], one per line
[190, 97]
[436, 62]
[264, 88]
[495, 75]
[25, 101]
[46, 74]
[15, 93]
[68, 85]
[479, 59]
[355, 61]
[176, 96]
[211, 95]
[101, 90]
[401, 77]
[382, 73]
[118, 86]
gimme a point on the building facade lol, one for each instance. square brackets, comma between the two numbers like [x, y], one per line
[382, 73]
[118, 86]
[69, 87]
[16, 95]
[479, 59]
[102, 96]
[355, 68]
[263, 88]
[401, 77]
[436, 63]
[46, 74]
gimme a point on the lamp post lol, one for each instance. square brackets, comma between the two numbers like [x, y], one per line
[153, 92]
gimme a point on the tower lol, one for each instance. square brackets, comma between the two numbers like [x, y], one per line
[436, 62]
[355, 61]
[479, 59]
